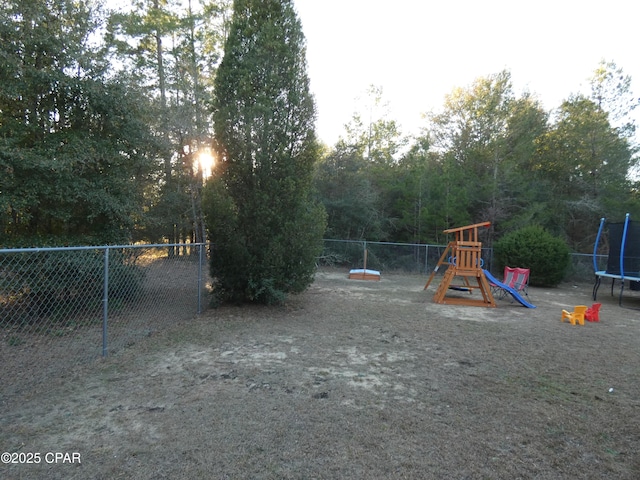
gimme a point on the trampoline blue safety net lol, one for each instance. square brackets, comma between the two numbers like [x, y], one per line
[623, 261]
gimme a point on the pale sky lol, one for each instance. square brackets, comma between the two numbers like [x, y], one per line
[420, 50]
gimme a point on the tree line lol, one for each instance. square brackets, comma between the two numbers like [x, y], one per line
[104, 116]
[488, 154]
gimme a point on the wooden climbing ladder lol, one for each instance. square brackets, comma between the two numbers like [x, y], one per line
[464, 259]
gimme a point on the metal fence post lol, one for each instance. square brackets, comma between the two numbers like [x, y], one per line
[200, 259]
[105, 301]
[426, 258]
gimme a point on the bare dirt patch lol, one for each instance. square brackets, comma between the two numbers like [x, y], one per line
[353, 379]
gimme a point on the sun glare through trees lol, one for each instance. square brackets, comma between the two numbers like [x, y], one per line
[206, 162]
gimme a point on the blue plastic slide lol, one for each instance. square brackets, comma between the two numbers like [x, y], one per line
[512, 291]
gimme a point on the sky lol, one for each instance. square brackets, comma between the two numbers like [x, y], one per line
[418, 51]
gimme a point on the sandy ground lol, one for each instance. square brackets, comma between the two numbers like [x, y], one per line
[351, 379]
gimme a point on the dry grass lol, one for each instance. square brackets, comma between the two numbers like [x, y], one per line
[353, 379]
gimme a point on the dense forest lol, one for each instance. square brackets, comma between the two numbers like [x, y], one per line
[488, 155]
[107, 125]
[105, 119]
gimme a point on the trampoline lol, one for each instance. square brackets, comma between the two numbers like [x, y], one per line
[623, 261]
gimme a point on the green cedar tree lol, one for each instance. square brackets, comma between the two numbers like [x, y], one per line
[265, 227]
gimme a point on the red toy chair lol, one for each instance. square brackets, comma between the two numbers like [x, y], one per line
[593, 313]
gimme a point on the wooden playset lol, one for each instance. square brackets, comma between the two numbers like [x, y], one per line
[463, 256]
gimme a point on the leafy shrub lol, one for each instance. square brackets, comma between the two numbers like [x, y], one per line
[536, 249]
[58, 285]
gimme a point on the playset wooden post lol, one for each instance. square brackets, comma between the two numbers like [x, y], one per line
[464, 259]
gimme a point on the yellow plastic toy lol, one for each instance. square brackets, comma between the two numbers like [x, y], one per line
[576, 316]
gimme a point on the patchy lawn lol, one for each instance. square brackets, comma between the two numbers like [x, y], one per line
[351, 379]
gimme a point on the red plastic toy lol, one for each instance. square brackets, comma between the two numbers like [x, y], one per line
[593, 313]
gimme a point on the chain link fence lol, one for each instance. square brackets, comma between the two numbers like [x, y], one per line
[388, 257]
[61, 308]
[64, 307]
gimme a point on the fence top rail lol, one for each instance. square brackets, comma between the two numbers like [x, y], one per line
[344, 241]
[436, 245]
[401, 244]
[97, 247]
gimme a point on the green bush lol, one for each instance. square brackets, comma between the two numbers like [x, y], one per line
[60, 285]
[536, 249]
[264, 259]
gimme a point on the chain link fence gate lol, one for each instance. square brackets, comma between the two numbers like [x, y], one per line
[61, 308]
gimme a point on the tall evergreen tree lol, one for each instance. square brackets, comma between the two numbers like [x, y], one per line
[265, 227]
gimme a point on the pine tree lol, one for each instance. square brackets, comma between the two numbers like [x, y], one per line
[264, 225]
[75, 151]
